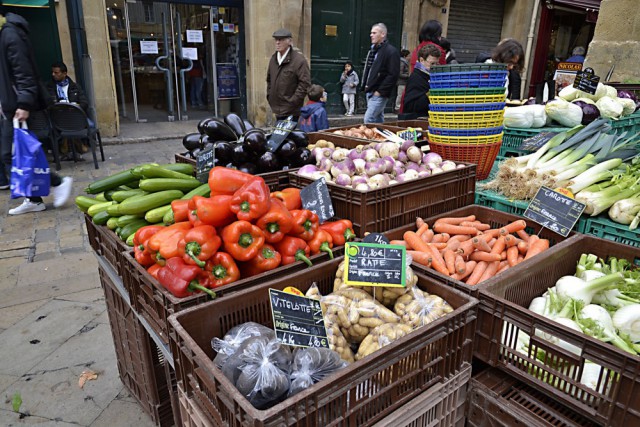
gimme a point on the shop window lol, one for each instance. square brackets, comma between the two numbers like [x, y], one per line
[149, 14]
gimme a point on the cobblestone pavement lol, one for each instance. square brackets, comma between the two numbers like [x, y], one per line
[53, 319]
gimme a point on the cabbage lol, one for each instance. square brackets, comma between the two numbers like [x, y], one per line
[612, 92]
[518, 117]
[585, 100]
[568, 93]
[609, 107]
[627, 94]
[628, 105]
[589, 111]
[563, 112]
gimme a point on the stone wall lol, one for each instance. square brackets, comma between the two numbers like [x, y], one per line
[417, 13]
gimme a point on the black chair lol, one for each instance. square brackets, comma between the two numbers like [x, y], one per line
[40, 125]
[70, 121]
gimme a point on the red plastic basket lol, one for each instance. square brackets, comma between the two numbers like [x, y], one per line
[482, 155]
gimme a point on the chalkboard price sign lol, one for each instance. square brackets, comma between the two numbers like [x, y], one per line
[297, 320]
[372, 264]
[280, 133]
[315, 197]
[537, 141]
[376, 238]
[586, 81]
[204, 163]
[554, 210]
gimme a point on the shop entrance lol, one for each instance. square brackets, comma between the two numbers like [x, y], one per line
[175, 61]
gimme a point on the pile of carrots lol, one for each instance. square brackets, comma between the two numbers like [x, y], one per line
[469, 250]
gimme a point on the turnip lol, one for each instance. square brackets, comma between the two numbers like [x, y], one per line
[307, 171]
[346, 166]
[414, 154]
[343, 179]
[371, 155]
[362, 187]
[431, 157]
[402, 156]
[339, 154]
[406, 145]
[447, 165]
[324, 164]
[359, 165]
[389, 149]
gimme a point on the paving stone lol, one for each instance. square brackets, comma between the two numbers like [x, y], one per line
[11, 419]
[49, 289]
[103, 318]
[17, 244]
[46, 247]
[123, 413]
[95, 295]
[16, 253]
[46, 235]
[47, 222]
[9, 316]
[9, 268]
[6, 381]
[45, 256]
[73, 250]
[63, 267]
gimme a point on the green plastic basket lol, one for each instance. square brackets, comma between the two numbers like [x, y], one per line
[630, 124]
[601, 226]
[513, 137]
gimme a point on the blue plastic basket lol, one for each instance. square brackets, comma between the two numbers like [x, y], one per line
[494, 82]
[466, 132]
[468, 75]
[466, 107]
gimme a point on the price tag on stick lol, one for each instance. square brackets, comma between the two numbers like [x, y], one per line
[297, 320]
[555, 211]
[204, 163]
[586, 81]
[371, 264]
[315, 197]
[376, 238]
[282, 130]
[535, 142]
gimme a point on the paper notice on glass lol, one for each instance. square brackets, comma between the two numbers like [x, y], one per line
[228, 28]
[190, 53]
[148, 47]
[194, 36]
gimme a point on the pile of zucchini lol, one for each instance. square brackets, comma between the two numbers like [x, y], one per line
[140, 196]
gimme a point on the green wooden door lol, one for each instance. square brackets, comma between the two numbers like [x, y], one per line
[340, 32]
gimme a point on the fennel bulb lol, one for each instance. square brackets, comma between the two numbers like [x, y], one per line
[627, 321]
[596, 322]
[624, 211]
[575, 289]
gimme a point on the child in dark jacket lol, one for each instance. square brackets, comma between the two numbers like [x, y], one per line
[415, 102]
[313, 116]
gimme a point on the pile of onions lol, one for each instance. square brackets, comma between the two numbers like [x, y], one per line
[376, 165]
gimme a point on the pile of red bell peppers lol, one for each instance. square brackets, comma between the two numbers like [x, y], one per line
[240, 230]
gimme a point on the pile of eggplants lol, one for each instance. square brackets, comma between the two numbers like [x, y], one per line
[240, 145]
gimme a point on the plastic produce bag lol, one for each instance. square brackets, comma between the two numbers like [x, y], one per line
[234, 338]
[418, 308]
[29, 166]
[312, 365]
[381, 336]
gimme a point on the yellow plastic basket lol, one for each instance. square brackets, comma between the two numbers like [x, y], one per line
[466, 140]
[469, 99]
[474, 120]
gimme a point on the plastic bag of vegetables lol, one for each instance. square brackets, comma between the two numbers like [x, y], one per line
[563, 112]
[233, 339]
[527, 116]
[382, 336]
[312, 365]
[418, 308]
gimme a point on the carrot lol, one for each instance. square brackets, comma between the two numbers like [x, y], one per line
[419, 223]
[481, 245]
[532, 239]
[469, 267]
[439, 246]
[440, 238]
[490, 271]
[455, 221]
[459, 237]
[476, 224]
[437, 262]
[454, 229]
[398, 242]
[424, 227]
[513, 227]
[427, 236]
[422, 258]
[449, 260]
[466, 248]
[494, 232]
[523, 235]
[492, 242]
[453, 244]
[520, 259]
[512, 256]
[415, 242]
[523, 247]
[511, 240]
[484, 256]
[504, 265]
[540, 246]
[459, 265]
[477, 273]
[499, 246]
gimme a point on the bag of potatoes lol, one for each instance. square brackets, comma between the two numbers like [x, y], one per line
[381, 336]
[418, 308]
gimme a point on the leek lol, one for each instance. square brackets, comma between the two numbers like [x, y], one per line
[594, 174]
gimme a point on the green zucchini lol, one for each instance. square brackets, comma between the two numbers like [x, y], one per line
[100, 197]
[155, 216]
[134, 184]
[109, 195]
[140, 204]
[151, 171]
[114, 210]
[111, 182]
[129, 241]
[117, 230]
[119, 196]
[127, 219]
[131, 228]
[168, 218]
[83, 202]
[202, 190]
[137, 171]
[112, 223]
[184, 168]
[100, 218]
[100, 207]
[159, 184]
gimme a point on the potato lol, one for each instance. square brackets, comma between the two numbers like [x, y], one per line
[418, 308]
[381, 336]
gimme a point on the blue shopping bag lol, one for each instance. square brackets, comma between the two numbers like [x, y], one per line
[29, 165]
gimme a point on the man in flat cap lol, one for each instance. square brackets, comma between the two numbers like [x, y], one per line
[288, 78]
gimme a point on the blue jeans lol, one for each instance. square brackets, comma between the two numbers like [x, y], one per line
[375, 108]
[196, 91]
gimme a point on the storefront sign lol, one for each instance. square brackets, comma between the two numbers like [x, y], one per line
[315, 197]
[297, 320]
[194, 36]
[190, 53]
[570, 66]
[228, 84]
[149, 47]
[586, 81]
[370, 264]
[555, 211]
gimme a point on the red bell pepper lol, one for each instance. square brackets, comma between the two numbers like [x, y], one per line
[215, 211]
[252, 200]
[267, 259]
[180, 209]
[293, 249]
[322, 242]
[153, 270]
[275, 223]
[341, 231]
[227, 181]
[164, 244]
[142, 254]
[199, 244]
[305, 224]
[242, 240]
[220, 270]
[181, 279]
[290, 197]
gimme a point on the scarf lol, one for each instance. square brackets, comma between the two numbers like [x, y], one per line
[61, 85]
[3, 21]
[421, 67]
[371, 56]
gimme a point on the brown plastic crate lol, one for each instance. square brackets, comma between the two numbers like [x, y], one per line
[496, 219]
[442, 405]
[498, 400]
[380, 126]
[275, 180]
[503, 314]
[422, 123]
[156, 304]
[107, 244]
[190, 414]
[408, 367]
[395, 206]
[140, 362]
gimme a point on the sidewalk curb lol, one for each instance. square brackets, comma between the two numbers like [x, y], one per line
[125, 140]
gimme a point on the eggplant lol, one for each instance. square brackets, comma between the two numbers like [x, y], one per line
[240, 154]
[224, 150]
[191, 141]
[299, 137]
[248, 168]
[301, 157]
[256, 141]
[247, 124]
[235, 122]
[268, 162]
[287, 149]
[216, 129]
[201, 125]
[204, 140]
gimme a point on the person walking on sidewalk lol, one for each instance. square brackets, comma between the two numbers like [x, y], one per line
[380, 75]
[403, 77]
[349, 80]
[19, 96]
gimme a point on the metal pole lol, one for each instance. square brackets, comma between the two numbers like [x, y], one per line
[175, 58]
[214, 72]
[131, 70]
[183, 71]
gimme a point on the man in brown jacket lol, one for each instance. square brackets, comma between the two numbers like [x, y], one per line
[288, 78]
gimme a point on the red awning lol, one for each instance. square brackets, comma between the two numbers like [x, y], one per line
[591, 5]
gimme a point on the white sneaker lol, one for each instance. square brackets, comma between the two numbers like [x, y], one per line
[62, 192]
[4, 187]
[26, 207]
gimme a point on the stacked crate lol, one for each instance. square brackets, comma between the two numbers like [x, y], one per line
[466, 113]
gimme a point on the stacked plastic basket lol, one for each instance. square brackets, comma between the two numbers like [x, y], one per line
[466, 113]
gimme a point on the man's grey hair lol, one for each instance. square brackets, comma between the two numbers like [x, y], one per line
[578, 50]
[382, 27]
